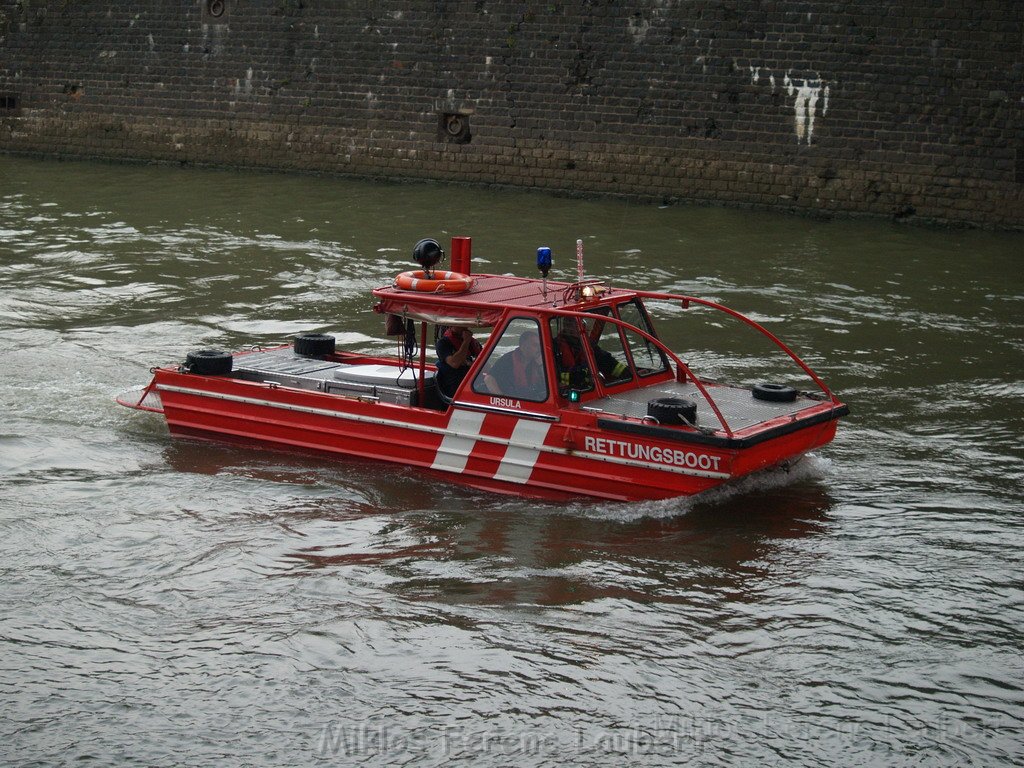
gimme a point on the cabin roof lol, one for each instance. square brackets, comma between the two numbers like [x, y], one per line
[486, 300]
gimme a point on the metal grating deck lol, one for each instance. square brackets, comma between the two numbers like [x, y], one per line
[284, 367]
[284, 362]
[737, 405]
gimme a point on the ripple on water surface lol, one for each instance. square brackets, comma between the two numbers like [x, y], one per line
[182, 602]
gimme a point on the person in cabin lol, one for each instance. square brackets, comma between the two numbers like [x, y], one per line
[520, 373]
[456, 349]
[572, 360]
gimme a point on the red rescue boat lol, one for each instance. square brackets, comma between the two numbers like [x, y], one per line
[573, 392]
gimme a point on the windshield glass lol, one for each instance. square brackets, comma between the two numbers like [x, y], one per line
[609, 353]
[515, 367]
[647, 358]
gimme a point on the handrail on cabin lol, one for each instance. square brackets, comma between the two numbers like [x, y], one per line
[753, 324]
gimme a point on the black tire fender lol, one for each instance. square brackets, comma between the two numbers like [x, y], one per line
[314, 345]
[209, 362]
[673, 410]
[774, 393]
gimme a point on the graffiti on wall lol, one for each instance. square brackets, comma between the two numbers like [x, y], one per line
[810, 95]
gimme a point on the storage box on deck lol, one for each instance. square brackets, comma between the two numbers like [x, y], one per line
[385, 382]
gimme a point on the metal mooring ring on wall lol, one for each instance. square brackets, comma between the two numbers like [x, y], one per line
[454, 128]
[454, 125]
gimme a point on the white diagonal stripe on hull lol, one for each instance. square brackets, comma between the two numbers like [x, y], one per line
[464, 429]
[523, 450]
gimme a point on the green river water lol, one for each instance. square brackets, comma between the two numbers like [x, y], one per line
[170, 602]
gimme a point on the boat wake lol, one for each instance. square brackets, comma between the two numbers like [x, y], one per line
[810, 468]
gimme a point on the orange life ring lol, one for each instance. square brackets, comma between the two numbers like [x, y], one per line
[438, 282]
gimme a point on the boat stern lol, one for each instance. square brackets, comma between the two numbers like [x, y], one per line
[142, 398]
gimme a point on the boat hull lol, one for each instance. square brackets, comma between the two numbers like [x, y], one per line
[492, 449]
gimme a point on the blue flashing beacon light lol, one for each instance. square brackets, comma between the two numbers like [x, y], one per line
[544, 260]
[544, 264]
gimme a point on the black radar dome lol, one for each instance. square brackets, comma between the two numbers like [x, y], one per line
[427, 253]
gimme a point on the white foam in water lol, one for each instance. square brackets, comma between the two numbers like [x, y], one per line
[810, 467]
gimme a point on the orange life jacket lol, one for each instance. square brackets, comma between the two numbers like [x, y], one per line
[527, 378]
[569, 355]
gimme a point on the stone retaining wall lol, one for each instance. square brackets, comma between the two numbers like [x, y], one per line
[902, 109]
